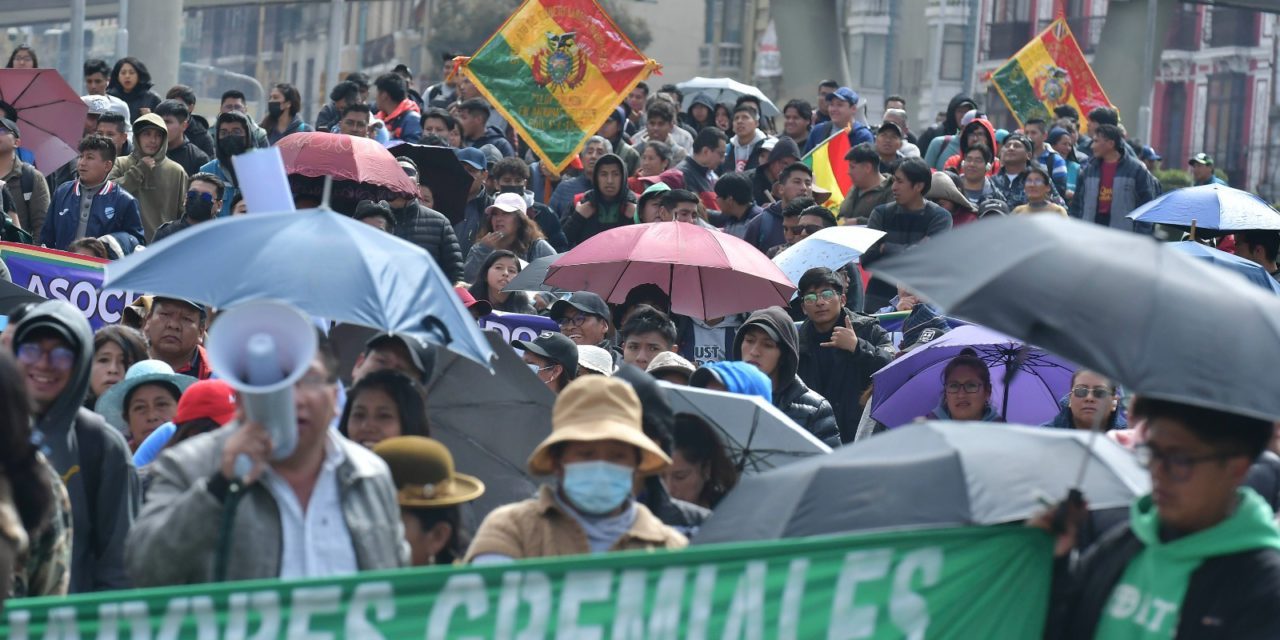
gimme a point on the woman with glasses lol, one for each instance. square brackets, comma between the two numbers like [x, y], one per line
[966, 390]
[1093, 401]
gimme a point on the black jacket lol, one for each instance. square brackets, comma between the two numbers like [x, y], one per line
[327, 118]
[190, 156]
[198, 134]
[577, 228]
[841, 376]
[430, 230]
[1231, 596]
[142, 97]
[790, 394]
[948, 127]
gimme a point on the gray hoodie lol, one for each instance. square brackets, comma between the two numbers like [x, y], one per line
[91, 456]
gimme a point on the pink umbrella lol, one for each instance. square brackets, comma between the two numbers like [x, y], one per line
[316, 154]
[49, 114]
[708, 274]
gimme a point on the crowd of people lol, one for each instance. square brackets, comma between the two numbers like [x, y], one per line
[121, 445]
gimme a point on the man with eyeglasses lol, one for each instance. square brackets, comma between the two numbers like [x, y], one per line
[839, 349]
[584, 318]
[54, 348]
[204, 199]
[1200, 555]
[327, 509]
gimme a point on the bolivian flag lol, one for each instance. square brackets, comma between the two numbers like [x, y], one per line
[830, 169]
[555, 70]
[1049, 72]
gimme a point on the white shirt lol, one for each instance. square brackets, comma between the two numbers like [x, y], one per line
[315, 543]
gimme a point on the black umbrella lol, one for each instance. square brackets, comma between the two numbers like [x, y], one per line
[530, 278]
[1120, 303]
[443, 173]
[12, 296]
[930, 474]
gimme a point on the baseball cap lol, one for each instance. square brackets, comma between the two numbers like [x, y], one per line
[554, 346]
[1149, 153]
[421, 354]
[1201, 158]
[212, 399]
[508, 202]
[191, 303]
[583, 301]
[469, 301]
[471, 156]
[844, 93]
[12, 126]
[890, 126]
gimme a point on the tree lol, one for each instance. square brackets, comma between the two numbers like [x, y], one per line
[462, 26]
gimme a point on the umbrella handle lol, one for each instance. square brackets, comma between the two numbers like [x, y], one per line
[432, 323]
[1074, 501]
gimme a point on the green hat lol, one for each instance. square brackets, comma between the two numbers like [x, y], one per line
[422, 469]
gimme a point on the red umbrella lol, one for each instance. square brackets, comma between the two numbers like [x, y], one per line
[48, 113]
[359, 160]
[708, 274]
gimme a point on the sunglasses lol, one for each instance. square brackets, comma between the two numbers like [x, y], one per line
[825, 294]
[200, 195]
[61, 358]
[806, 229]
[1098, 392]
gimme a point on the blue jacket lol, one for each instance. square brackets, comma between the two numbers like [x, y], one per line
[114, 212]
[229, 190]
[858, 133]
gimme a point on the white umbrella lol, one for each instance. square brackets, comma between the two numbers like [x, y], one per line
[833, 248]
[757, 435]
[724, 91]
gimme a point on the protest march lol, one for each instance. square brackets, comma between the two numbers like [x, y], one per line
[560, 346]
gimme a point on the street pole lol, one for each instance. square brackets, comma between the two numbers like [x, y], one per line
[77, 43]
[970, 46]
[1149, 68]
[122, 30]
[335, 45]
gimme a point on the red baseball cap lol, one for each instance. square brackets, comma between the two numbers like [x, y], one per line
[213, 399]
[470, 301]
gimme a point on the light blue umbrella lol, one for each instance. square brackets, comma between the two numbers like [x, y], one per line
[323, 263]
[1247, 268]
[1210, 206]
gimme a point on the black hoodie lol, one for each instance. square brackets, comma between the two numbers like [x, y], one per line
[949, 125]
[90, 455]
[224, 160]
[790, 394]
[577, 228]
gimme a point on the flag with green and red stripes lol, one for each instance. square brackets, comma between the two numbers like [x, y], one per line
[555, 70]
[1050, 71]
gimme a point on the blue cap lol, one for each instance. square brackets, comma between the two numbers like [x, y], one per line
[1149, 153]
[472, 156]
[844, 93]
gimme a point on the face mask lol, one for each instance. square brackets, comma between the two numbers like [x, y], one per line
[232, 146]
[274, 109]
[597, 487]
[199, 209]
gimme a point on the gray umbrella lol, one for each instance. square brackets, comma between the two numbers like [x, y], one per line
[530, 278]
[929, 474]
[1119, 303]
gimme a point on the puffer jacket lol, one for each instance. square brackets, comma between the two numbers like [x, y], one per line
[161, 190]
[841, 376]
[430, 230]
[790, 394]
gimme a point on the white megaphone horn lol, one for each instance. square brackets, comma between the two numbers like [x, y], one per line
[261, 348]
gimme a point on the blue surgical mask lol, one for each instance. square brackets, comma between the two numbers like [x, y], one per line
[596, 487]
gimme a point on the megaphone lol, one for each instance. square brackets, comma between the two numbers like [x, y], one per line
[261, 348]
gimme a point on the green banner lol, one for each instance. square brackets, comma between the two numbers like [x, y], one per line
[957, 583]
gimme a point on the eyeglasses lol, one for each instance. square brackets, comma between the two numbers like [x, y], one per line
[825, 294]
[1176, 465]
[61, 358]
[200, 195]
[955, 388]
[1098, 392]
[1037, 182]
[313, 381]
[806, 229]
[974, 161]
[575, 321]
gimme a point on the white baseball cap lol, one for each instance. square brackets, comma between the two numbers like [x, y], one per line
[508, 202]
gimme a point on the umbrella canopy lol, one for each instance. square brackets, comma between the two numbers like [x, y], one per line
[724, 91]
[531, 277]
[757, 435]
[440, 170]
[929, 474]
[315, 154]
[833, 248]
[491, 422]
[1251, 270]
[911, 386]
[1115, 302]
[321, 262]
[50, 114]
[12, 296]
[708, 274]
[1210, 206]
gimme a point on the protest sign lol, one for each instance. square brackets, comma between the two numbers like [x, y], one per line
[990, 582]
[518, 326]
[66, 276]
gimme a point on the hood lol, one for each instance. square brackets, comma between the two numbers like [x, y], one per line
[737, 377]
[949, 124]
[71, 323]
[624, 193]
[776, 322]
[986, 127]
[224, 162]
[1252, 526]
[706, 101]
[989, 413]
[150, 121]
[785, 147]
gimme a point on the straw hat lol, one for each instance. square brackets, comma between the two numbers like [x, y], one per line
[423, 471]
[593, 409]
[943, 187]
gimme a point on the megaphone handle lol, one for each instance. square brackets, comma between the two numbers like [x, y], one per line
[243, 465]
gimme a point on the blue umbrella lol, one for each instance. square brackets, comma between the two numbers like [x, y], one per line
[1247, 268]
[321, 262]
[1210, 206]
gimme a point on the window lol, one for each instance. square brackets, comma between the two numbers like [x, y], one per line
[871, 60]
[731, 32]
[714, 9]
[1233, 28]
[1224, 128]
[951, 67]
[1175, 120]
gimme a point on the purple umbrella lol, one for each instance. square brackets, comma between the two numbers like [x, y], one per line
[911, 386]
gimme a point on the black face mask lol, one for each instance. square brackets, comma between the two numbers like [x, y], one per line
[274, 109]
[199, 209]
[511, 189]
[232, 145]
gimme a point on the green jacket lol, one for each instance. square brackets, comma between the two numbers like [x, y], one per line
[161, 190]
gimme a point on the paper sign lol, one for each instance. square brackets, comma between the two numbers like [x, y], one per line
[261, 178]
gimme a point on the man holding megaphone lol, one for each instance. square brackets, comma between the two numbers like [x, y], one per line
[276, 493]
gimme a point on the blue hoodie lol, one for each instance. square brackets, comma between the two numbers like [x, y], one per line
[743, 378]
